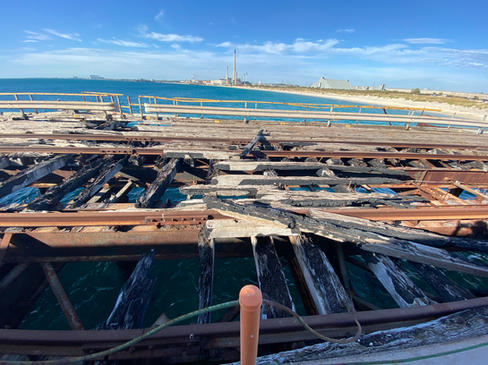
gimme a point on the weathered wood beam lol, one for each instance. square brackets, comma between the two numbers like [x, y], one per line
[164, 178]
[442, 330]
[271, 278]
[338, 229]
[328, 294]
[206, 251]
[266, 165]
[4, 162]
[447, 289]
[109, 170]
[396, 282]
[298, 180]
[34, 173]
[50, 199]
[134, 297]
[258, 138]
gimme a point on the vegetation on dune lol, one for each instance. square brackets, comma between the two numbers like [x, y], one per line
[413, 95]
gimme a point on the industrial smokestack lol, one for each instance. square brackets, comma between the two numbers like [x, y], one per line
[235, 71]
[227, 74]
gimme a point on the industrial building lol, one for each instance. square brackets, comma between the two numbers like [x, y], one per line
[324, 83]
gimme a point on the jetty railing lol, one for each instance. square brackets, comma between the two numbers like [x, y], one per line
[147, 105]
[36, 101]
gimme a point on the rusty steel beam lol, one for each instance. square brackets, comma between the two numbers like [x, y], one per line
[108, 218]
[63, 300]
[185, 218]
[221, 335]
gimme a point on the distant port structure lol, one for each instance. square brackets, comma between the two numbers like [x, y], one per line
[326, 83]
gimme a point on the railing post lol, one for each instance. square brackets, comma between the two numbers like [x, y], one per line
[32, 99]
[250, 300]
[130, 105]
[140, 107]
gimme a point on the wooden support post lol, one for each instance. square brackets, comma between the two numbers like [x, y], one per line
[327, 292]
[62, 297]
[164, 178]
[206, 251]
[271, 278]
[105, 175]
[34, 173]
[50, 199]
[402, 289]
[134, 297]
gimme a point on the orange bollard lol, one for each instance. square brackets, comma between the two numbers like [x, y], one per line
[250, 299]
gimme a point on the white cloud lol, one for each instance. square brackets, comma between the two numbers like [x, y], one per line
[425, 40]
[299, 46]
[69, 36]
[35, 36]
[123, 43]
[159, 16]
[346, 30]
[144, 31]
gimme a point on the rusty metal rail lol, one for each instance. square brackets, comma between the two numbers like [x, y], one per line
[179, 217]
[222, 335]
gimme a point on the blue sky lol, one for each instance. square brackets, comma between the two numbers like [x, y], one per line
[428, 44]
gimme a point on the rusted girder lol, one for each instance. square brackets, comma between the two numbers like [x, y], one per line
[219, 335]
[108, 218]
[186, 218]
[63, 300]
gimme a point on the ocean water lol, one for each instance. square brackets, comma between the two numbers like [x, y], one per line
[170, 90]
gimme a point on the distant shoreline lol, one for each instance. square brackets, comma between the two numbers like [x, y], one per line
[448, 109]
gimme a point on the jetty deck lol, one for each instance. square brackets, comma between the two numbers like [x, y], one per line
[399, 200]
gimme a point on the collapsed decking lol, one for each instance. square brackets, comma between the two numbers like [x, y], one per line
[320, 198]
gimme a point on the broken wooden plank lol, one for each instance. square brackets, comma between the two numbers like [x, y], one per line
[267, 165]
[403, 232]
[157, 188]
[298, 180]
[50, 199]
[340, 231]
[109, 170]
[442, 330]
[206, 252]
[34, 173]
[134, 297]
[258, 138]
[271, 278]
[326, 290]
[396, 282]
[447, 289]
